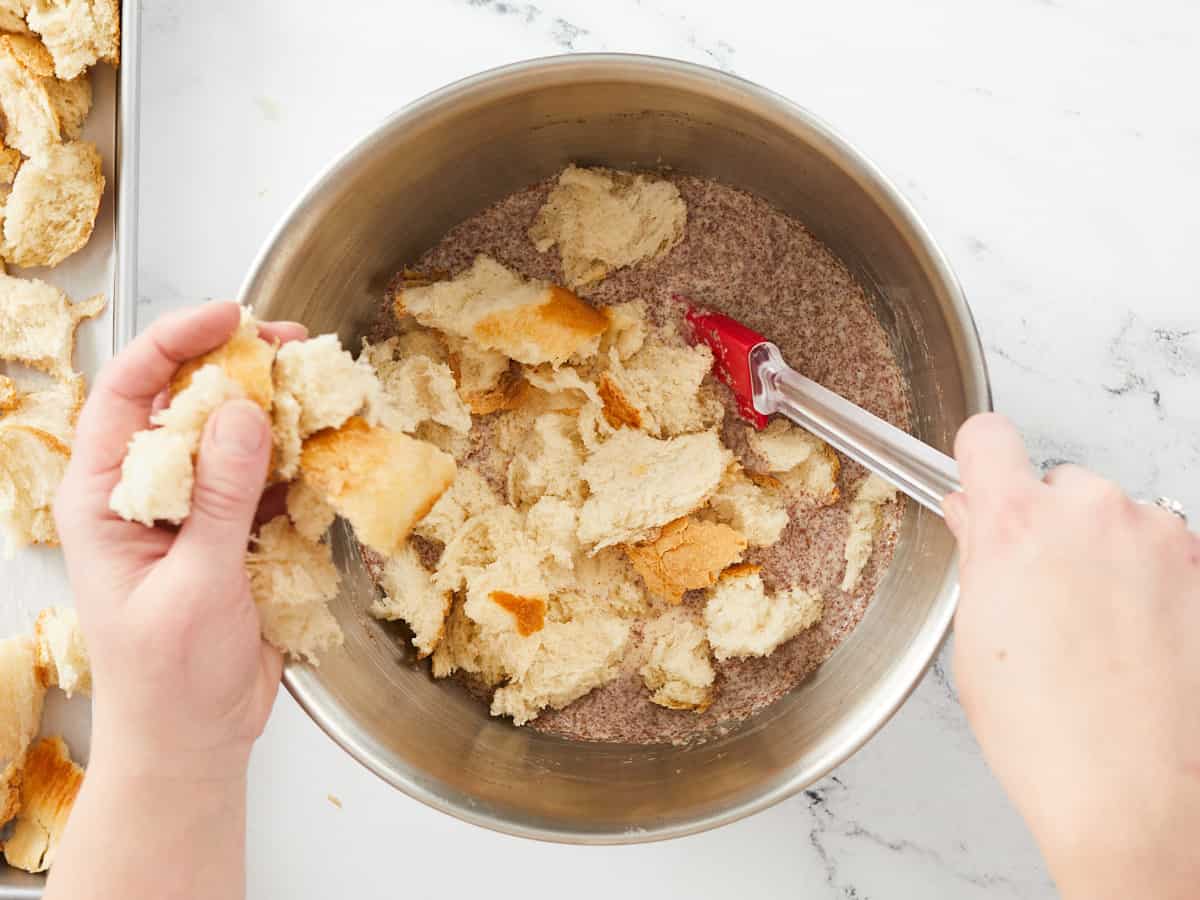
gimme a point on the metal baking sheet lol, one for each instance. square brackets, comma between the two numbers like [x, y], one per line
[107, 265]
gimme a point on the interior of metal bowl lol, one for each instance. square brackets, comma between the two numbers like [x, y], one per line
[445, 158]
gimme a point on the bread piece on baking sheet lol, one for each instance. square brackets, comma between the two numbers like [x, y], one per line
[77, 33]
[39, 109]
[50, 782]
[38, 324]
[22, 694]
[52, 208]
[62, 656]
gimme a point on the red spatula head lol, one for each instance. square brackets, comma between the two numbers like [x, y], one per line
[731, 343]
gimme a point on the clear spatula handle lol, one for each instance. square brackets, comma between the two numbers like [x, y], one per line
[921, 472]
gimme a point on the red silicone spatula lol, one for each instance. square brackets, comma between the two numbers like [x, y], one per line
[764, 384]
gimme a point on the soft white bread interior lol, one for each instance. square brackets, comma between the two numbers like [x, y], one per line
[381, 481]
[292, 580]
[604, 220]
[62, 656]
[866, 518]
[639, 483]
[678, 671]
[530, 321]
[744, 620]
[409, 594]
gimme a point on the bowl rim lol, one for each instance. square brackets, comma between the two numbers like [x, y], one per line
[299, 677]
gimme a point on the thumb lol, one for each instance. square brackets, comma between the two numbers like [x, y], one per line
[954, 510]
[231, 472]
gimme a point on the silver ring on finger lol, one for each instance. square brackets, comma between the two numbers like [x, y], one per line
[1174, 507]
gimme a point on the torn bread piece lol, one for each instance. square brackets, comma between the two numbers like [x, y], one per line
[678, 672]
[38, 324]
[603, 220]
[744, 620]
[22, 695]
[309, 512]
[572, 659]
[563, 388]
[245, 358]
[380, 481]
[52, 208]
[292, 580]
[866, 518]
[687, 554]
[158, 472]
[551, 524]
[627, 329]
[32, 465]
[50, 782]
[530, 321]
[639, 483]
[416, 389]
[486, 381]
[550, 462]
[605, 584]
[77, 33]
[469, 495]
[62, 656]
[805, 465]
[658, 390]
[325, 381]
[409, 594]
[490, 657]
[39, 110]
[9, 398]
[756, 508]
[12, 16]
[52, 407]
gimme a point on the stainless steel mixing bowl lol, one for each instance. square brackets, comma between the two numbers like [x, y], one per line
[448, 156]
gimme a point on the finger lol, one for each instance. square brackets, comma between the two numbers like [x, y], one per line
[282, 331]
[231, 471]
[124, 392]
[992, 460]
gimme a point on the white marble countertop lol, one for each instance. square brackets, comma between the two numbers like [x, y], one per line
[1047, 143]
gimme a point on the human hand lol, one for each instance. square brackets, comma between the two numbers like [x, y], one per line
[183, 682]
[1077, 655]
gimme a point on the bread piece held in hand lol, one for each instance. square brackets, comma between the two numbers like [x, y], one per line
[292, 580]
[380, 481]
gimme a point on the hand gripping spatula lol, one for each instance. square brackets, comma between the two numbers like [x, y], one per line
[764, 384]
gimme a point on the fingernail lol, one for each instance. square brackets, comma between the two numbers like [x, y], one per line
[240, 428]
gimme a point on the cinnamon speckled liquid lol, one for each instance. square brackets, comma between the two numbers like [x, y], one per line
[741, 256]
